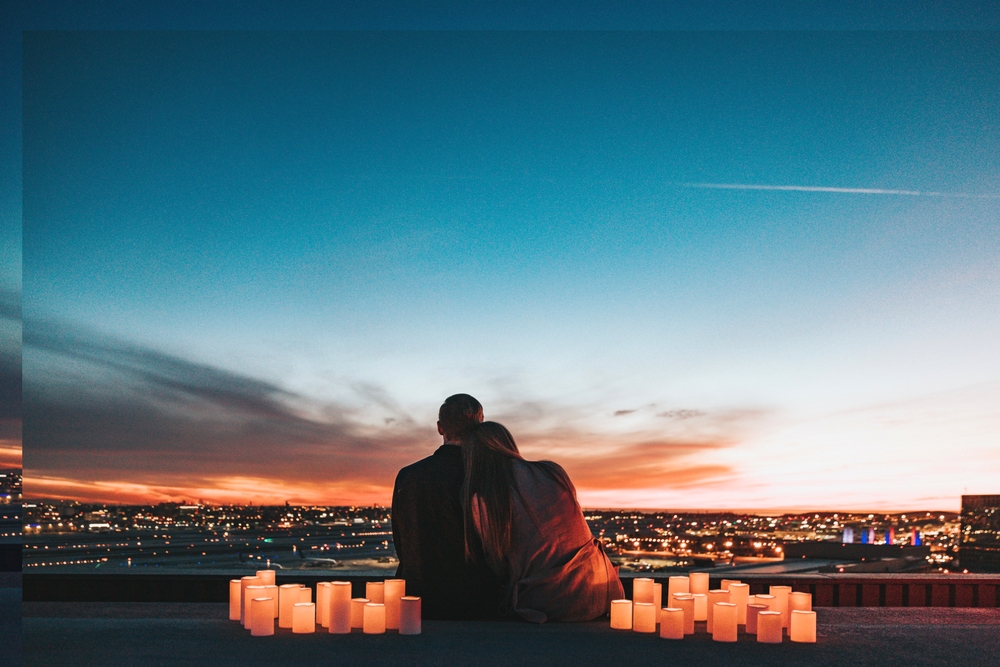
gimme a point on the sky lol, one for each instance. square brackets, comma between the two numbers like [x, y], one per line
[750, 270]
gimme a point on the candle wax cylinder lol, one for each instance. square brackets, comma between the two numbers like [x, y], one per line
[394, 590]
[672, 623]
[686, 604]
[375, 592]
[409, 615]
[235, 598]
[769, 627]
[800, 602]
[657, 600]
[803, 626]
[374, 622]
[752, 599]
[642, 590]
[339, 611]
[305, 594]
[271, 591]
[698, 582]
[726, 582]
[700, 606]
[244, 582]
[780, 594]
[358, 612]
[322, 603]
[303, 618]
[739, 595]
[288, 594]
[621, 614]
[249, 593]
[266, 577]
[643, 617]
[752, 611]
[724, 622]
[261, 617]
[717, 595]
[767, 600]
[676, 585]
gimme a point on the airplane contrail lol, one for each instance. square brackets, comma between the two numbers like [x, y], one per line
[818, 188]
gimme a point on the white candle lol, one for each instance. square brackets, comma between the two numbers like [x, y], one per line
[769, 627]
[700, 606]
[244, 582]
[803, 626]
[261, 617]
[322, 603]
[739, 595]
[643, 617]
[717, 595]
[395, 589]
[375, 591]
[271, 591]
[685, 602]
[358, 612]
[672, 623]
[303, 618]
[726, 582]
[677, 585]
[800, 602]
[266, 576]
[724, 622]
[288, 594]
[249, 593]
[780, 594]
[235, 599]
[657, 599]
[621, 614]
[752, 611]
[339, 611]
[409, 615]
[642, 590]
[698, 582]
[374, 621]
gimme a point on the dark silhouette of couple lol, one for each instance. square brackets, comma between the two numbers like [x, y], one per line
[482, 533]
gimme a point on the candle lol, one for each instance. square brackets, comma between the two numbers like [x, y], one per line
[305, 594]
[303, 618]
[677, 585]
[752, 599]
[752, 611]
[767, 600]
[800, 602]
[739, 595]
[726, 583]
[780, 594]
[698, 582]
[621, 614]
[409, 615]
[642, 590]
[724, 622]
[244, 582]
[769, 627]
[374, 621]
[358, 612]
[685, 602]
[235, 599]
[339, 610]
[395, 589]
[375, 591]
[261, 617]
[672, 623]
[803, 626]
[322, 603]
[271, 591]
[700, 606]
[249, 593]
[266, 576]
[657, 599]
[717, 595]
[288, 594]
[643, 617]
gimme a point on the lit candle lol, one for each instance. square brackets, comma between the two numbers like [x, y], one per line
[322, 603]
[642, 590]
[752, 599]
[409, 615]
[266, 576]
[374, 621]
[288, 594]
[235, 599]
[271, 591]
[769, 627]
[700, 606]
[249, 593]
[767, 600]
[261, 617]
[677, 585]
[672, 623]
[739, 595]
[780, 594]
[339, 612]
[395, 589]
[358, 612]
[305, 594]
[303, 618]
[698, 582]
[643, 617]
[726, 582]
[800, 602]
[803, 626]
[244, 582]
[621, 614]
[718, 595]
[375, 592]
[752, 611]
[724, 622]
[657, 599]
[685, 602]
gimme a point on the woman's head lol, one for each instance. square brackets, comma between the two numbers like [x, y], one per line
[488, 452]
[492, 437]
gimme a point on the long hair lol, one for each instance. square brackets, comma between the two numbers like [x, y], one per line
[488, 453]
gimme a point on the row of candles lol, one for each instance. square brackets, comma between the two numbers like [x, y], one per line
[257, 602]
[723, 610]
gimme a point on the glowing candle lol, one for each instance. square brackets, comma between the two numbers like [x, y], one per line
[718, 595]
[244, 582]
[752, 611]
[739, 595]
[769, 627]
[374, 621]
[235, 599]
[643, 617]
[657, 599]
[621, 614]
[339, 611]
[767, 600]
[409, 615]
[780, 594]
[752, 599]
[724, 622]
[685, 602]
[726, 582]
[288, 594]
[699, 582]
[322, 603]
[305, 594]
[358, 612]
[375, 592]
[672, 623]
[249, 593]
[271, 591]
[800, 602]
[261, 617]
[803, 626]
[700, 606]
[677, 585]
[303, 618]
[394, 590]
[642, 590]
[266, 577]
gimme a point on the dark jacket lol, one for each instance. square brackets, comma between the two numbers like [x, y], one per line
[428, 531]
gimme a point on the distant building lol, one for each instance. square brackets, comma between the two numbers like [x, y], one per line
[979, 549]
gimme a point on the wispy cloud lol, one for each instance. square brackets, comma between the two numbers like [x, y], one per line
[838, 190]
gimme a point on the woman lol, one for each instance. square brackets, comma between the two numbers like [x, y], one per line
[526, 517]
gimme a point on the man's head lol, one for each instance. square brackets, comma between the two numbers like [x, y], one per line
[458, 414]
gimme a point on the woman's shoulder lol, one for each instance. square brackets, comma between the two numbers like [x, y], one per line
[549, 469]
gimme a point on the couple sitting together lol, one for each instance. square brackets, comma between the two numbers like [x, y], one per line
[482, 533]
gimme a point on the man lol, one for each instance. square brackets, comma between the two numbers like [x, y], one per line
[428, 526]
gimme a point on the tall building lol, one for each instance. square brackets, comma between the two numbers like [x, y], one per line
[979, 550]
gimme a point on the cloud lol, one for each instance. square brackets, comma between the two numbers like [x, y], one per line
[619, 413]
[853, 191]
